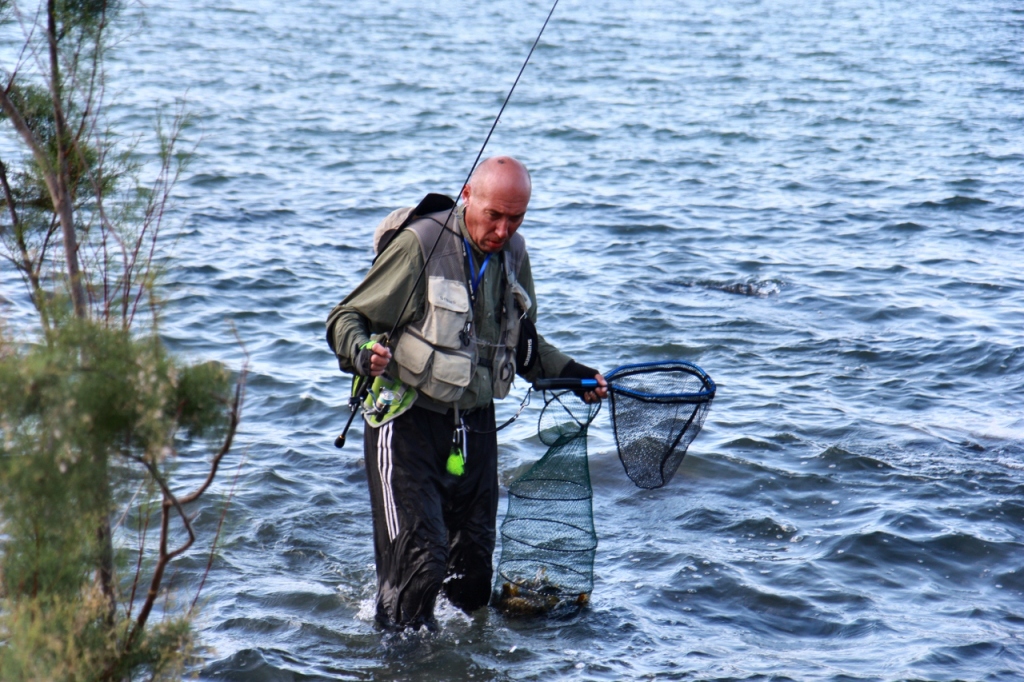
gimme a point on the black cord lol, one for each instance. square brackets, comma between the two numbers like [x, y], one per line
[522, 406]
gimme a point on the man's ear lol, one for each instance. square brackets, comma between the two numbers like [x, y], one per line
[465, 194]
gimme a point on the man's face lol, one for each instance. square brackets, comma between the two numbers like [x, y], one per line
[495, 209]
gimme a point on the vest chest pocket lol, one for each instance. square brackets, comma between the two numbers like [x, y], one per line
[454, 369]
[413, 356]
[447, 312]
[442, 376]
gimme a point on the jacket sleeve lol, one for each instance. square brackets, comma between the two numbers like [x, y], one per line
[551, 360]
[373, 306]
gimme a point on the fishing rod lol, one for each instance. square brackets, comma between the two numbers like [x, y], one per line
[359, 396]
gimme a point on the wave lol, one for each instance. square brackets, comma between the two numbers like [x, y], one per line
[954, 203]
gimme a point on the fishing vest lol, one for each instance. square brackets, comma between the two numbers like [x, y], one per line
[439, 354]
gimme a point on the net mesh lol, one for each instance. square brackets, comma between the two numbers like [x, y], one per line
[657, 411]
[547, 538]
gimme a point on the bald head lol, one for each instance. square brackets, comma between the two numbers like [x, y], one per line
[502, 170]
[496, 198]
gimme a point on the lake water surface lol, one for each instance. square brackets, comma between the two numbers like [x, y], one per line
[817, 202]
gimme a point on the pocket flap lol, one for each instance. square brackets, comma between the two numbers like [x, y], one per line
[413, 353]
[453, 369]
[448, 294]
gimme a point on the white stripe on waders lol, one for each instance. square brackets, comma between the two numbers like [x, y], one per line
[384, 468]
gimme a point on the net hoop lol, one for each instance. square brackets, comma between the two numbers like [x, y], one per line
[657, 411]
[704, 395]
[509, 534]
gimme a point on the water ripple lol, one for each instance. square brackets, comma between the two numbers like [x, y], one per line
[818, 203]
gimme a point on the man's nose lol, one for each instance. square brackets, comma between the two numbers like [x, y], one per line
[501, 228]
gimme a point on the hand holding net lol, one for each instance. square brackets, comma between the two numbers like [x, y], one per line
[658, 408]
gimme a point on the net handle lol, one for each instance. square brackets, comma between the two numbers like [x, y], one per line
[573, 384]
[568, 384]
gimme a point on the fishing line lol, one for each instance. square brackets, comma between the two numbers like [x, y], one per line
[357, 399]
[469, 175]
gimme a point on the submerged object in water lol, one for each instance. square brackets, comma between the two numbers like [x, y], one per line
[536, 598]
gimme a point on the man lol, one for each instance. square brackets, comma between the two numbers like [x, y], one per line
[432, 469]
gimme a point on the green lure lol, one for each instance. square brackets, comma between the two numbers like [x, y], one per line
[456, 462]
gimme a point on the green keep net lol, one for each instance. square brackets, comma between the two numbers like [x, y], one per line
[547, 538]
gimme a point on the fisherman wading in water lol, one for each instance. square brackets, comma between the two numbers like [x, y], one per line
[468, 329]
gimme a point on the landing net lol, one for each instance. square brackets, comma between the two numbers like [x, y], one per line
[658, 408]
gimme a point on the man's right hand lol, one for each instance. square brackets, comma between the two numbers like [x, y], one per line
[372, 362]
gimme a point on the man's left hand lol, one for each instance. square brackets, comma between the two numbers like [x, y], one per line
[599, 393]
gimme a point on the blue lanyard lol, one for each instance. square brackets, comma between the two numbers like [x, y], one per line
[475, 279]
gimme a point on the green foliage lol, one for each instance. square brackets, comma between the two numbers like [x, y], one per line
[91, 412]
[83, 395]
[85, 15]
[27, 211]
[201, 393]
[65, 406]
[31, 198]
[35, 106]
[70, 640]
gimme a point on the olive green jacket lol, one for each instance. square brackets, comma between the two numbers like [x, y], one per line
[373, 307]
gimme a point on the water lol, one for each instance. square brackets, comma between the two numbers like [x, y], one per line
[819, 203]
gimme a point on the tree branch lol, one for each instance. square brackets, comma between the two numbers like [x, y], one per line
[165, 556]
[9, 196]
[235, 417]
[62, 199]
[216, 537]
[138, 566]
[19, 123]
[19, 237]
[171, 501]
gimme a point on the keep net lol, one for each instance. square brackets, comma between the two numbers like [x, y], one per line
[547, 538]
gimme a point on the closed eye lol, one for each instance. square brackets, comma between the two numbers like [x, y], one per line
[498, 215]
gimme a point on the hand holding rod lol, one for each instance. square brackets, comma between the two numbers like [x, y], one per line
[356, 400]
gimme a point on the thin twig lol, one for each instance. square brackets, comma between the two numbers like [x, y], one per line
[138, 564]
[170, 500]
[129, 506]
[156, 207]
[19, 237]
[234, 418]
